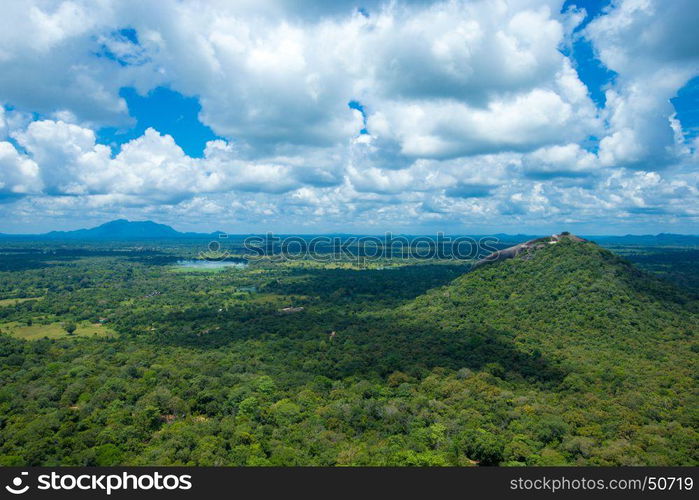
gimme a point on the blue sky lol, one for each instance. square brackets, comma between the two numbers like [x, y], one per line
[533, 116]
[591, 71]
[168, 112]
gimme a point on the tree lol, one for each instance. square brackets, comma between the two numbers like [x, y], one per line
[108, 455]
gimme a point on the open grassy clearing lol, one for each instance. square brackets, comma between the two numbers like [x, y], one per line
[55, 330]
[12, 302]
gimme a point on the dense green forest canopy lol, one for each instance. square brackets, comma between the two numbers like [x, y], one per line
[116, 354]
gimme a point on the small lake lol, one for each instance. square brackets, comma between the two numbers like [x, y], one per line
[211, 265]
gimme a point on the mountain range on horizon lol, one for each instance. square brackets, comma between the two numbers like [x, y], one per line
[123, 229]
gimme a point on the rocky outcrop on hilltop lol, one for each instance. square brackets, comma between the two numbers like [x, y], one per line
[527, 248]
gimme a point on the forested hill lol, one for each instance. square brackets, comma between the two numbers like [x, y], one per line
[623, 342]
[571, 297]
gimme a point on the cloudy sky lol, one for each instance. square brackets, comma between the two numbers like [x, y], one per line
[313, 116]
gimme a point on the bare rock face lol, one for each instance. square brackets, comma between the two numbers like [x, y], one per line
[527, 248]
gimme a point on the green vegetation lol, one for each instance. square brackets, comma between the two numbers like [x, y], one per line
[573, 356]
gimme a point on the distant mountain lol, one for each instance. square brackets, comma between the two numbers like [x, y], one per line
[662, 239]
[120, 229]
